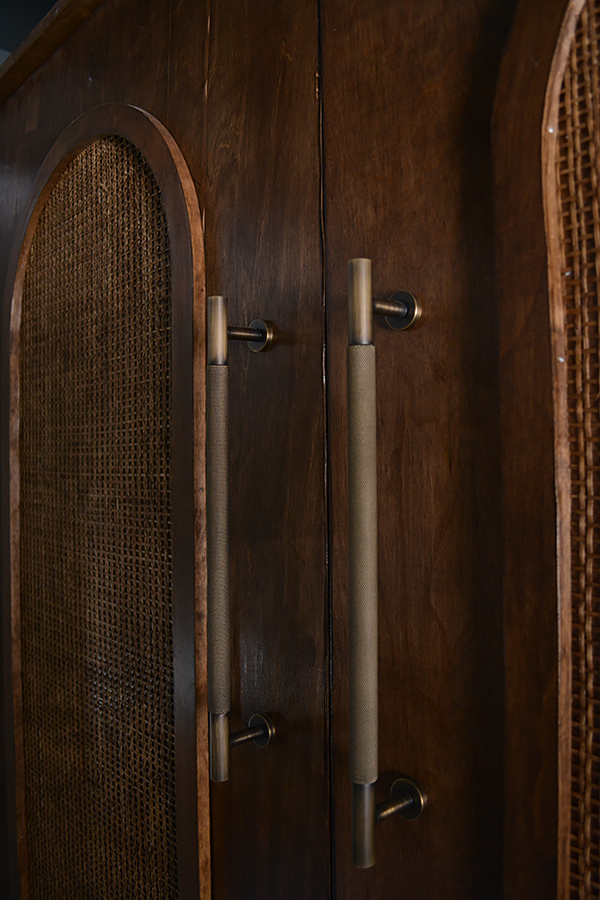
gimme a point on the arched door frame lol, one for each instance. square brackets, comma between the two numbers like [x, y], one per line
[535, 458]
[187, 490]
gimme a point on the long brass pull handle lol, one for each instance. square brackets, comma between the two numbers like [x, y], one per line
[259, 336]
[362, 495]
[404, 309]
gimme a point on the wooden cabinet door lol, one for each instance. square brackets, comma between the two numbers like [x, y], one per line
[261, 193]
[318, 131]
[337, 132]
[407, 94]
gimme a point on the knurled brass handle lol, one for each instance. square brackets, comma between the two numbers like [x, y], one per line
[402, 310]
[259, 336]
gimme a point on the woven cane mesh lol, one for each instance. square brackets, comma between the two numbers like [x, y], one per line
[95, 539]
[579, 184]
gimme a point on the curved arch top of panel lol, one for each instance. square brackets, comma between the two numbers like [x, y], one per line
[166, 161]
[106, 475]
[537, 647]
[571, 157]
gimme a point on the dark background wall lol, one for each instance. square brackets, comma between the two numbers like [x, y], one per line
[17, 20]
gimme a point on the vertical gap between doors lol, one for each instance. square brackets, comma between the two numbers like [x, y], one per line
[327, 488]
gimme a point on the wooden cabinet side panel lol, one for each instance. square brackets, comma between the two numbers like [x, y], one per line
[534, 758]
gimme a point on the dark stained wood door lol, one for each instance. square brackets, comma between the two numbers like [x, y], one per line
[270, 821]
[333, 132]
[317, 131]
[408, 91]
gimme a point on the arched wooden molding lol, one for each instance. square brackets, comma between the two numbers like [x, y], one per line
[570, 147]
[536, 459]
[183, 222]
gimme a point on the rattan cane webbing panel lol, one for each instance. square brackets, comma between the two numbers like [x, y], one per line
[95, 547]
[579, 185]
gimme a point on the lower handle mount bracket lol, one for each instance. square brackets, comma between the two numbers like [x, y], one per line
[407, 799]
[260, 730]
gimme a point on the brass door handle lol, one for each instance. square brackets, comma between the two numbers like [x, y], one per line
[259, 336]
[402, 310]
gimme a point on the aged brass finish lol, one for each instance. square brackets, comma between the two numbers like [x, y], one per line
[216, 331]
[401, 311]
[260, 730]
[390, 308]
[261, 720]
[360, 301]
[363, 825]
[219, 742]
[259, 334]
[266, 333]
[407, 798]
[217, 533]
[362, 520]
[236, 333]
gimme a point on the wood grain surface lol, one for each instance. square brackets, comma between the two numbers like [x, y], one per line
[316, 132]
[270, 822]
[53, 30]
[408, 93]
[236, 86]
[537, 644]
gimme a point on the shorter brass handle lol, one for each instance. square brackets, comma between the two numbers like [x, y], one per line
[260, 730]
[259, 336]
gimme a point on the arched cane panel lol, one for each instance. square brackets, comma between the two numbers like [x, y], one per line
[573, 229]
[103, 530]
[96, 536]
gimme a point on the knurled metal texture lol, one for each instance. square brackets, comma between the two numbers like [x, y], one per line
[578, 177]
[362, 492]
[217, 533]
[96, 536]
